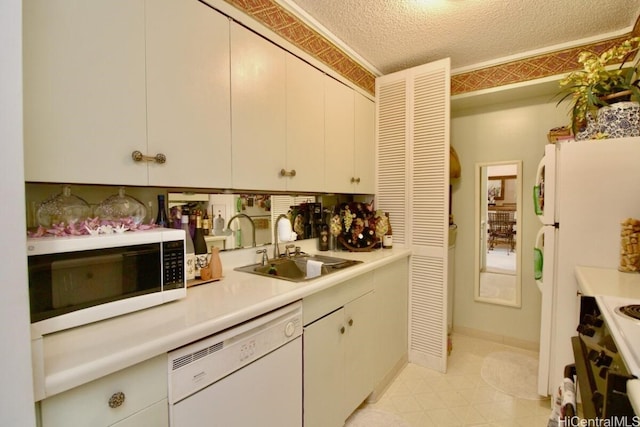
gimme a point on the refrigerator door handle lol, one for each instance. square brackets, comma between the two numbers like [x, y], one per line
[537, 188]
[538, 258]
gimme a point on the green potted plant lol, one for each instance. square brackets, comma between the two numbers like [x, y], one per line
[598, 85]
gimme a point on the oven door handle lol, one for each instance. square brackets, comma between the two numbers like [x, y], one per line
[586, 380]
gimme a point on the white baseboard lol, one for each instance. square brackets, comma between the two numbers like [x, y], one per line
[501, 339]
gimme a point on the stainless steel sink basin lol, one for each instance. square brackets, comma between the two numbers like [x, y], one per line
[294, 269]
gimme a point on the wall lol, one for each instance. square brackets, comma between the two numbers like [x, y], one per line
[509, 131]
[16, 394]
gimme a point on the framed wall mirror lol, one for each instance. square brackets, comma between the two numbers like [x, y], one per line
[498, 248]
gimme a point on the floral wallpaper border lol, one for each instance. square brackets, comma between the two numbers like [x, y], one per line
[288, 26]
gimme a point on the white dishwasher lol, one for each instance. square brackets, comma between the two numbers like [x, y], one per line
[246, 376]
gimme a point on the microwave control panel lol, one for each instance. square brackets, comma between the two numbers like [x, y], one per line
[173, 264]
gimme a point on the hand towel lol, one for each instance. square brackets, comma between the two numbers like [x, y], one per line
[314, 268]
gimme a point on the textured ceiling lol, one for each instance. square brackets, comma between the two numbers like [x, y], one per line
[392, 35]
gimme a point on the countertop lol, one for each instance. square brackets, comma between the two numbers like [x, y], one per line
[79, 355]
[594, 281]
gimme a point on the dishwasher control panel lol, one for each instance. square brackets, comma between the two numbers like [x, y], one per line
[200, 364]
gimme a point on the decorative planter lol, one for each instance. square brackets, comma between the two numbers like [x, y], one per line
[589, 129]
[620, 120]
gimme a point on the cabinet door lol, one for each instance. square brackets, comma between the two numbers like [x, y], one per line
[323, 371]
[391, 285]
[364, 146]
[339, 134]
[305, 126]
[358, 360]
[84, 91]
[156, 415]
[142, 386]
[188, 94]
[258, 73]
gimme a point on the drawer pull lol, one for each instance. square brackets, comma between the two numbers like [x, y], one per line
[342, 330]
[137, 156]
[350, 322]
[284, 172]
[116, 400]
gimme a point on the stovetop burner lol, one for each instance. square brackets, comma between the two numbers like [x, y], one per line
[632, 311]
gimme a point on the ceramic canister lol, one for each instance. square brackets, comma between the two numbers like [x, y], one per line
[620, 120]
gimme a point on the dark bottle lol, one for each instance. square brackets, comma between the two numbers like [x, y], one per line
[161, 219]
[192, 223]
[200, 246]
[198, 242]
[323, 241]
[206, 223]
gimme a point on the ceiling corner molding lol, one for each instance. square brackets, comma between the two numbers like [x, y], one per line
[531, 68]
[291, 28]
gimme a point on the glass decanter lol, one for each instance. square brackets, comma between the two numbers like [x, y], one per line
[64, 208]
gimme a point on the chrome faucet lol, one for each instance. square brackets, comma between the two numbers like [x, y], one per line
[287, 251]
[276, 247]
[253, 226]
[265, 258]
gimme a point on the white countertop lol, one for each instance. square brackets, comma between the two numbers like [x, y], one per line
[83, 354]
[594, 281]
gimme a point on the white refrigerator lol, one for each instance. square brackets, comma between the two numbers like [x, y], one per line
[583, 191]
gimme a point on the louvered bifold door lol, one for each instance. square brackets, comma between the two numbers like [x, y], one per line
[391, 164]
[413, 185]
[429, 214]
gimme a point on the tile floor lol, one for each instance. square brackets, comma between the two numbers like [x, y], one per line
[460, 397]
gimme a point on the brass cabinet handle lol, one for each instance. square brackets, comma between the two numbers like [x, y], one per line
[350, 322]
[116, 399]
[291, 173]
[137, 156]
[342, 330]
[356, 180]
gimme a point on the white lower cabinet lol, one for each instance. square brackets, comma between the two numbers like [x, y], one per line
[390, 302]
[136, 396]
[156, 415]
[337, 352]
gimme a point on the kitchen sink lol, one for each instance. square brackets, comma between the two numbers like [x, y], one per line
[294, 268]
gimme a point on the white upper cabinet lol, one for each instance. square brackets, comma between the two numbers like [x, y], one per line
[204, 103]
[84, 91]
[305, 126]
[188, 94]
[349, 140]
[339, 136]
[364, 146]
[258, 107]
[105, 79]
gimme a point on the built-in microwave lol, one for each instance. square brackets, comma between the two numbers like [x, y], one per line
[78, 280]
